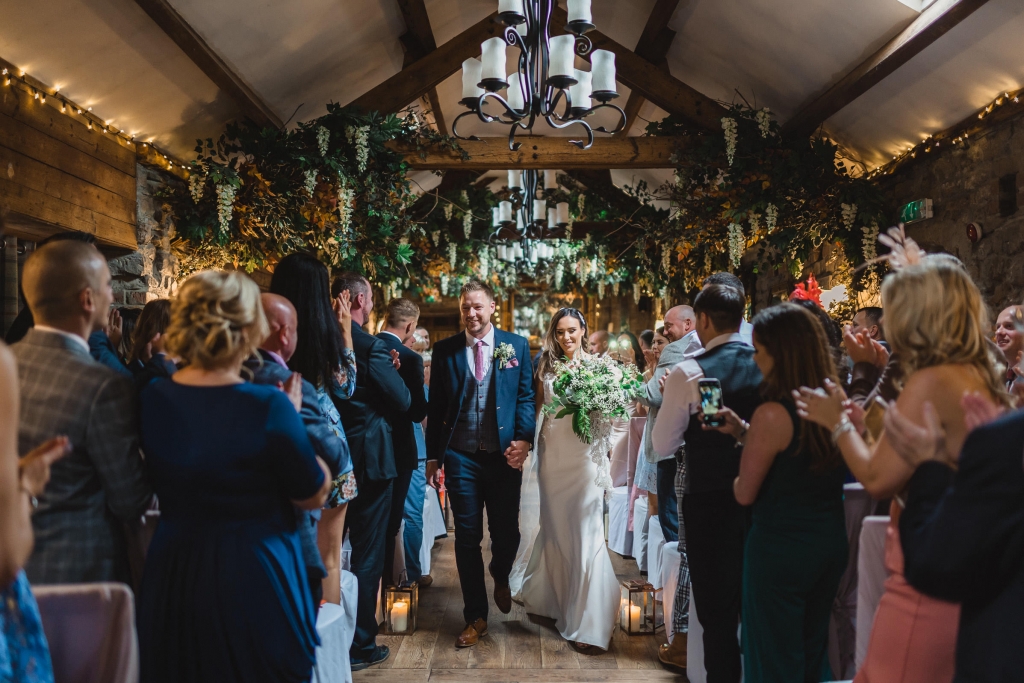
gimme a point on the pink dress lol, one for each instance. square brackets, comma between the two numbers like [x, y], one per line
[913, 638]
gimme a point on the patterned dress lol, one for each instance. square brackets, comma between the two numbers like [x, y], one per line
[343, 488]
[24, 654]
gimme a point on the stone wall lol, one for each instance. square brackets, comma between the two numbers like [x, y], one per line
[148, 273]
[963, 182]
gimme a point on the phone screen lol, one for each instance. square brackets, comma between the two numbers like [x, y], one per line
[710, 400]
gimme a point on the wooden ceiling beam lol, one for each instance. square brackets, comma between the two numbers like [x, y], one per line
[657, 86]
[547, 152]
[426, 73]
[929, 26]
[653, 46]
[210, 63]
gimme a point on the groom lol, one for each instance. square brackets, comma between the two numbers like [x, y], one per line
[480, 423]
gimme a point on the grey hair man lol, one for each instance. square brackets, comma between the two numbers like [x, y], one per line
[100, 486]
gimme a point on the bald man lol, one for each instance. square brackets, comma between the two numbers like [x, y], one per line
[270, 366]
[101, 486]
[599, 342]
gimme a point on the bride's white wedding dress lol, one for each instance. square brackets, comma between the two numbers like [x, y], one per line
[570, 577]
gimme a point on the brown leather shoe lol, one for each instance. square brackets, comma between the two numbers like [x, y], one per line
[425, 581]
[502, 592]
[472, 634]
[674, 654]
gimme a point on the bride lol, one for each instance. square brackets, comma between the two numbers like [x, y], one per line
[569, 577]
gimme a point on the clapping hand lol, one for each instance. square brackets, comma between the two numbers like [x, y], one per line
[861, 348]
[115, 328]
[342, 306]
[979, 410]
[824, 406]
[293, 388]
[34, 468]
[516, 454]
[395, 360]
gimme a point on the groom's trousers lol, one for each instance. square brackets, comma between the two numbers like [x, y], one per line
[475, 482]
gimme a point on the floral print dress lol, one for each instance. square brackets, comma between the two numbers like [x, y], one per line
[343, 488]
[24, 654]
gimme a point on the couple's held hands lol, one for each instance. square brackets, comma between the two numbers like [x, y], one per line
[34, 468]
[433, 475]
[516, 454]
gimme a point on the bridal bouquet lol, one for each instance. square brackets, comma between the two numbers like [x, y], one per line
[594, 390]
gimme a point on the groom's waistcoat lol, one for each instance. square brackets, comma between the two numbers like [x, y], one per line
[477, 426]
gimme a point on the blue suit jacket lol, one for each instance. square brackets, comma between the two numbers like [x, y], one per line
[513, 388]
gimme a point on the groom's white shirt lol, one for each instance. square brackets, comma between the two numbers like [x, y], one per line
[488, 340]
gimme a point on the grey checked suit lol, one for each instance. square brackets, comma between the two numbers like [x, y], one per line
[101, 485]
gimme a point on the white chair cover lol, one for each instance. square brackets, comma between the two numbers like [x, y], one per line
[842, 632]
[669, 579]
[871, 575]
[640, 532]
[655, 542]
[620, 539]
[336, 626]
[90, 628]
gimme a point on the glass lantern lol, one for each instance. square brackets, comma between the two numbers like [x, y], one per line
[640, 611]
[400, 605]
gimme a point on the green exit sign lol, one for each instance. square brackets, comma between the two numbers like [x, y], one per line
[916, 211]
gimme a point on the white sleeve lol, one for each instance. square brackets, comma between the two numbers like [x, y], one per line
[674, 416]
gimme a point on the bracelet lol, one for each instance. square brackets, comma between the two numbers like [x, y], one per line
[841, 428]
[33, 501]
[744, 427]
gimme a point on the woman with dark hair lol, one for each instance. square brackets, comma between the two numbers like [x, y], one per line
[833, 333]
[324, 357]
[569, 577]
[792, 474]
[129, 320]
[148, 359]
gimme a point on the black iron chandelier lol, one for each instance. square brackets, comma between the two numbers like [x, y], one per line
[527, 217]
[546, 83]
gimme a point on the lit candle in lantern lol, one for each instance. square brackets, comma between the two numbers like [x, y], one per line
[400, 616]
[634, 618]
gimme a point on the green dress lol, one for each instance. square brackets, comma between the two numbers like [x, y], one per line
[795, 554]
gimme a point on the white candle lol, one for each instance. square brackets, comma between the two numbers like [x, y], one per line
[495, 217]
[502, 252]
[550, 181]
[579, 10]
[562, 50]
[400, 616]
[515, 179]
[520, 228]
[493, 58]
[471, 69]
[540, 209]
[580, 93]
[562, 212]
[552, 218]
[603, 70]
[515, 6]
[518, 250]
[505, 211]
[515, 93]
[634, 618]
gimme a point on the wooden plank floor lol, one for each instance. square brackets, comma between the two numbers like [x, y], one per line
[519, 648]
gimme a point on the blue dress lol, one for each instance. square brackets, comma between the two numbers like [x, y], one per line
[225, 596]
[24, 655]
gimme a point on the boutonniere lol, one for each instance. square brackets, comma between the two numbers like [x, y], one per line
[505, 356]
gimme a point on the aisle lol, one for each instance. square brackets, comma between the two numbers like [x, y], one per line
[518, 647]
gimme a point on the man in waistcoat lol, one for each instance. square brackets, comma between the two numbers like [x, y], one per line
[480, 424]
[715, 523]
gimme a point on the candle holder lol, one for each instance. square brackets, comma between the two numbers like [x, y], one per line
[401, 603]
[640, 611]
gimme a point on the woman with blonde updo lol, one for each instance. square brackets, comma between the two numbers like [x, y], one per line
[225, 594]
[937, 323]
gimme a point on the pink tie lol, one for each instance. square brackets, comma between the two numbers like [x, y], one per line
[479, 357]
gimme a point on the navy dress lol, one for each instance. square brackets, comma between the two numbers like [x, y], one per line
[224, 594]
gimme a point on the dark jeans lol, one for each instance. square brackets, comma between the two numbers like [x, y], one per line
[367, 522]
[668, 513]
[413, 536]
[476, 481]
[398, 494]
[715, 528]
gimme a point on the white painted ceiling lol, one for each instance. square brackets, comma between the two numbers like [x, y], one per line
[300, 54]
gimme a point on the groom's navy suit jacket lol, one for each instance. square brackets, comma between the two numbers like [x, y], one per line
[512, 386]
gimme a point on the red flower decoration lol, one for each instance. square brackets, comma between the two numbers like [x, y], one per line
[810, 292]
